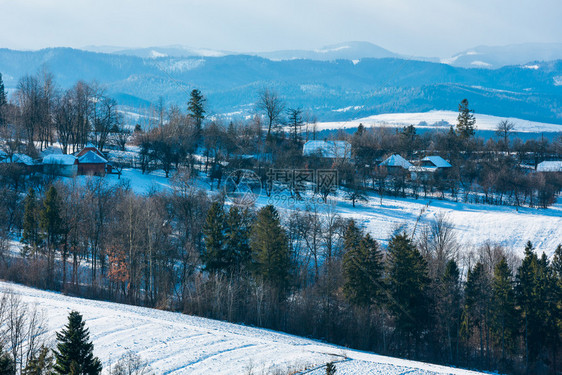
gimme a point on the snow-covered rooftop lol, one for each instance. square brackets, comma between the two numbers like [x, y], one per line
[91, 157]
[396, 161]
[438, 161]
[18, 159]
[550, 166]
[328, 149]
[59, 159]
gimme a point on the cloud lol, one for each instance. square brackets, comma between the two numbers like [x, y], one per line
[430, 27]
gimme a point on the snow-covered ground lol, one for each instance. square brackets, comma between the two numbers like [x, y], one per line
[475, 224]
[173, 343]
[483, 122]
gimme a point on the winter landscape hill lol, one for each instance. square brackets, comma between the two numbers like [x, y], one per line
[173, 343]
[364, 86]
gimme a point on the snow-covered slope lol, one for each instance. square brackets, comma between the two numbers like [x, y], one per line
[174, 343]
[474, 224]
[438, 119]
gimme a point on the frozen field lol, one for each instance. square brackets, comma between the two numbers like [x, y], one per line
[174, 343]
[483, 122]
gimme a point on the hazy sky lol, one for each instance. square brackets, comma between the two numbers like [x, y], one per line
[411, 27]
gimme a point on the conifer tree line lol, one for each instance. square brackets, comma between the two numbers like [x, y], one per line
[308, 272]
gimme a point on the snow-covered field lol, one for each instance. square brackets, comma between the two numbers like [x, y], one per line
[475, 224]
[393, 120]
[173, 343]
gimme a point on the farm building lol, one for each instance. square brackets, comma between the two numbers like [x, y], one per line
[27, 164]
[434, 162]
[550, 166]
[328, 149]
[60, 165]
[89, 148]
[91, 163]
[395, 163]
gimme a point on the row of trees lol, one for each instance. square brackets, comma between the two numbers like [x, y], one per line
[41, 113]
[311, 273]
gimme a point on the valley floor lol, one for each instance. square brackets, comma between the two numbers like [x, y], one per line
[174, 343]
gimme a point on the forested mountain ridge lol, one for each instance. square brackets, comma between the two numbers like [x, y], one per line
[326, 88]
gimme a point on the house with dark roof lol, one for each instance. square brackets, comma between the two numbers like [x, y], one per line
[91, 163]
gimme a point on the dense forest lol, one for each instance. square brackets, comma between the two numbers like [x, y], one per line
[305, 271]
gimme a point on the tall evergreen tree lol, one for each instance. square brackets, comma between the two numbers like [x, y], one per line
[448, 308]
[42, 364]
[7, 365]
[196, 107]
[408, 283]
[270, 248]
[30, 235]
[363, 270]
[51, 225]
[465, 120]
[504, 323]
[75, 351]
[476, 313]
[214, 234]
[237, 241]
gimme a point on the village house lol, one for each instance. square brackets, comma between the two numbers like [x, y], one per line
[395, 164]
[25, 162]
[91, 163]
[550, 166]
[60, 165]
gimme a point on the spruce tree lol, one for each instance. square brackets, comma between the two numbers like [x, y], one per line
[196, 108]
[75, 352]
[477, 304]
[408, 284]
[51, 225]
[270, 248]
[237, 246]
[504, 314]
[448, 307]
[7, 365]
[465, 121]
[42, 364]
[30, 235]
[213, 233]
[363, 270]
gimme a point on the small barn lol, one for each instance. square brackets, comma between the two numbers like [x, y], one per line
[396, 163]
[89, 148]
[25, 162]
[550, 166]
[434, 162]
[328, 149]
[60, 165]
[91, 163]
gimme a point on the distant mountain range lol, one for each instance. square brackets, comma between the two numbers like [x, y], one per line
[338, 82]
[491, 57]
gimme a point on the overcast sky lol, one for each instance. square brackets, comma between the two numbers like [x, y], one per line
[411, 27]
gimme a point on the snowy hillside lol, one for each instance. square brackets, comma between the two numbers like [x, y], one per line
[475, 224]
[174, 343]
[437, 120]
